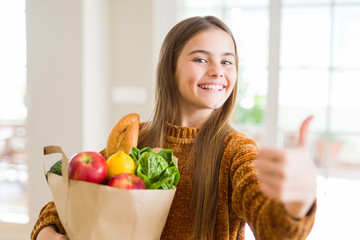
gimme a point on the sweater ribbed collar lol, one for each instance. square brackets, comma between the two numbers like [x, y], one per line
[179, 134]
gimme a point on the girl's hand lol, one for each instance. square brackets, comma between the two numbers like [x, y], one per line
[289, 175]
[49, 233]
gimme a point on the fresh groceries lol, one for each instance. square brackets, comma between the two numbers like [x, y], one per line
[124, 135]
[56, 168]
[126, 205]
[89, 167]
[122, 164]
[157, 170]
[126, 181]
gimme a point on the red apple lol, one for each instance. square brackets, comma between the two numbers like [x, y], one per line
[126, 181]
[89, 167]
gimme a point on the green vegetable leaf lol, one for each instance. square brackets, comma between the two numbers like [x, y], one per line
[157, 170]
[56, 168]
[139, 173]
[167, 154]
[134, 153]
[146, 149]
[168, 180]
[152, 165]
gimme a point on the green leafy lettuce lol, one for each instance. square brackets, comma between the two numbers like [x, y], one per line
[157, 170]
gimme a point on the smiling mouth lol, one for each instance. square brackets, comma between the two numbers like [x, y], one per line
[212, 87]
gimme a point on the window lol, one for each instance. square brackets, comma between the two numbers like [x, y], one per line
[13, 165]
[315, 52]
[320, 60]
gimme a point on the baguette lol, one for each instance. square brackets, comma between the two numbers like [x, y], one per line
[124, 135]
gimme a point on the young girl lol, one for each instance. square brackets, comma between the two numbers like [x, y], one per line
[225, 180]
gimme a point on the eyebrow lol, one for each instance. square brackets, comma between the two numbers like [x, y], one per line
[208, 53]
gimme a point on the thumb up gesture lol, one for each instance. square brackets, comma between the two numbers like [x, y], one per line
[289, 175]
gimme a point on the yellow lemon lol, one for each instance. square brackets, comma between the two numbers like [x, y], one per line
[120, 162]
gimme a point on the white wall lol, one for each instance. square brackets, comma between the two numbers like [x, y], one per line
[96, 73]
[79, 51]
[131, 38]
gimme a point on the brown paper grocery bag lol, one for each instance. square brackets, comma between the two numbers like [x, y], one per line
[91, 211]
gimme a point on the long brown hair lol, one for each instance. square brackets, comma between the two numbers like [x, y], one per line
[209, 141]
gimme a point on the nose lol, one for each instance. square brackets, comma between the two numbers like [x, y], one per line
[215, 70]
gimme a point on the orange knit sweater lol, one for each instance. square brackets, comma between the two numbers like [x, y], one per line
[239, 199]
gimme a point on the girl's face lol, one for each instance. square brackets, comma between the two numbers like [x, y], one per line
[205, 72]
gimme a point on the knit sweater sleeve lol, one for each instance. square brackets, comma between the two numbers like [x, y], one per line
[267, 218]
[47, 216]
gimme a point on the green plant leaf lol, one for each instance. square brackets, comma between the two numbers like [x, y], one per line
[157, 170]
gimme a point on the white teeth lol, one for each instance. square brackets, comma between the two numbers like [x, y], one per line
[212, 87]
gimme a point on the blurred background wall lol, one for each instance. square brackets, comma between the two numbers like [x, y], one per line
[88, 64]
